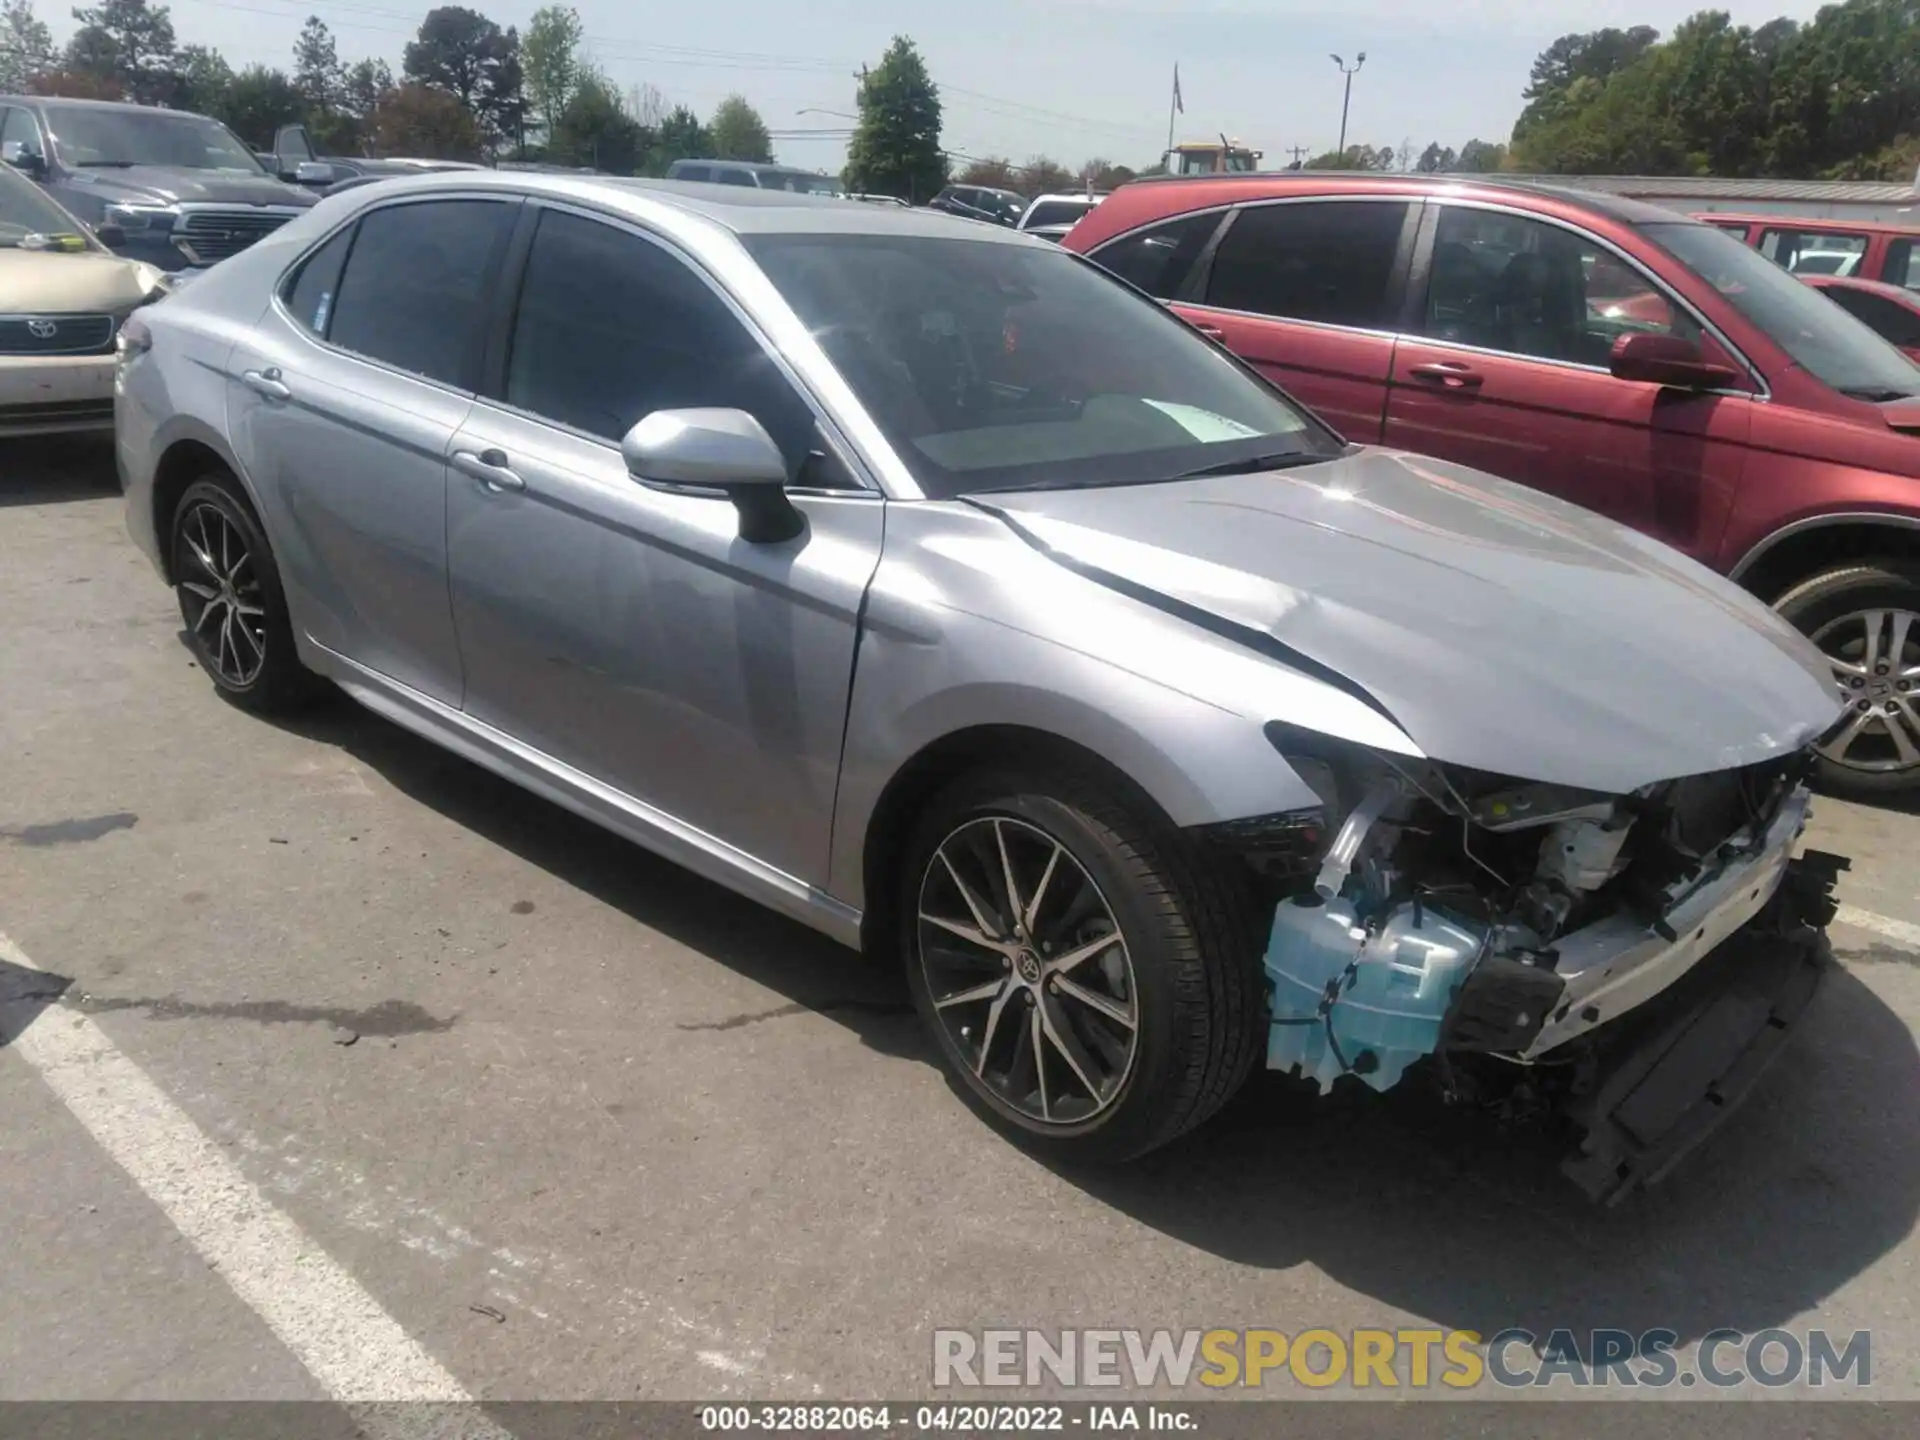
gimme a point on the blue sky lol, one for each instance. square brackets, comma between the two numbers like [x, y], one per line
[1068, 78]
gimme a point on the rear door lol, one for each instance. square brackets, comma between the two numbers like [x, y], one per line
[1310, 293]
[1516, 319]
[343, 403]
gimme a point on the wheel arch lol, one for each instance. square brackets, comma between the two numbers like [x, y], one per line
[936, 765]
[1797, 552]
[189, 456]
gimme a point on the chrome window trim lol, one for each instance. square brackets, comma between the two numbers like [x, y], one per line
[1773, 538]
[869, 485]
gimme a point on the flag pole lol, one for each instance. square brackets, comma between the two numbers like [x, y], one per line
[1173, 105]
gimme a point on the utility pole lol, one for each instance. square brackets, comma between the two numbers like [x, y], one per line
[1299, 154]
[1347, 99]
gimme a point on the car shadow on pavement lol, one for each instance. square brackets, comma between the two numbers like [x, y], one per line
[1445, 1214]
[55, 469]
[1435, 1211]
[811, 971]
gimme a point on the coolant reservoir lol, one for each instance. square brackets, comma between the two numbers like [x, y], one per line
[1377, 1020]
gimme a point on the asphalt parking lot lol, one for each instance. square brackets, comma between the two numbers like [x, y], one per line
[585, 1127]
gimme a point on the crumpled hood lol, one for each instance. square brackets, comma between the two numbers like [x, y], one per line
[1502, 629]
[166, 185]
[48, 282]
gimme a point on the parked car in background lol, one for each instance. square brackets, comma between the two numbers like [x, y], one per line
[880, 200]
[1050, 217]
[1891, 311]
[295, 160]
[1603, 350]
[63, 297]
[182, 189]
[930, 586]
[981, 202]
[763, 177]
[1860, 250]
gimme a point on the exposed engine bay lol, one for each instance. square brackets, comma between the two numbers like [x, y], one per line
[1519, 937]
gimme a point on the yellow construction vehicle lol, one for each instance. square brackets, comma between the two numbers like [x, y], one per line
[1211, 157]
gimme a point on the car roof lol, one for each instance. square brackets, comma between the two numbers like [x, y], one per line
[1836, 224]
[740, 209]
[79, 104]
[1142, 201]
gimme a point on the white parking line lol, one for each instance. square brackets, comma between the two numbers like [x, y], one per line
[353, 1347]
[1902, 931]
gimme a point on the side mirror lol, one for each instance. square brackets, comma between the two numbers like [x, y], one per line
[312, 172]
[111, 236]
[1668, 360]
[16, 154]
[724, 450]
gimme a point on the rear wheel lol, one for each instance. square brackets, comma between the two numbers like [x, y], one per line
[1092, 988]
[1865, 618]
[231, 601]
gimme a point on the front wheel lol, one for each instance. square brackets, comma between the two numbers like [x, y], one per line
[1092, 986]
[1865, 617]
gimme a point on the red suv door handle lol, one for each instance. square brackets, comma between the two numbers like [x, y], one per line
[1212, 332]
[1450, 373]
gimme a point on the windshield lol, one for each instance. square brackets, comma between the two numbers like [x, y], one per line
[1823, 339]
[999, 367]
[25, 211]
[88, 137]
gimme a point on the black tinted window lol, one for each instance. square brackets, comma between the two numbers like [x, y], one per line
[1886, 318]
[310, 294]
[416, 286]
[692, 172]
[1903, 264]
[734, 177]
[1157, 260]
[1330, 261]
[612, 327]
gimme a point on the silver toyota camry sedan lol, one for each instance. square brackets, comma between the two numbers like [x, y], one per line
[942, 591]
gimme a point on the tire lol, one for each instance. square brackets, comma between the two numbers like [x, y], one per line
[1186, 967]
[1874, 754]
[237, 623]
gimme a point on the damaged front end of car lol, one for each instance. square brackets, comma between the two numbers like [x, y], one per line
[1629, 963]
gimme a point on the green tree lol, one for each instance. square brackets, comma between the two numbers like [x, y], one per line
[994, 171]
[1596, 56]
[204, 78]
[594, 129]
[1041, 176]
[1481, 157]
[142, 41]
[258, 102]
[739, 133]
[682, 137]
[550, 58]
[1437, 159]
[366, 81]
[467, 55]
[896, 145]
[92, 51]
[317, 73]
[1356, 157]
[422, 122]
[26, 45]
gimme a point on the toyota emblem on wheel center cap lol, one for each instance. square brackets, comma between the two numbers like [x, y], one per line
[42, 329]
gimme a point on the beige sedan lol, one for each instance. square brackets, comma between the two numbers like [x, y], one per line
[63, 295]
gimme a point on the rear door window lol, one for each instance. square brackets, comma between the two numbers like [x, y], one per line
[1158, 259]
[1329, 261]
[1888, 319]
[417, 285]
[1903, 264]
[1814, 252]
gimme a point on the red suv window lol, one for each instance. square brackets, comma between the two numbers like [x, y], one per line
[1332, 261]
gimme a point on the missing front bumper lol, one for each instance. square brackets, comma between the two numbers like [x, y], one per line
[1660, 1080]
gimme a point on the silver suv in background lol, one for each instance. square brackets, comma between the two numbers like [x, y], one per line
[758, 176]
[182, 189]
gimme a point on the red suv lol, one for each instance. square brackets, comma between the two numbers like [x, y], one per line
[1624, 357]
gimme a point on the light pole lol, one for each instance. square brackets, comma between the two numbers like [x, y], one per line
[1349, 71]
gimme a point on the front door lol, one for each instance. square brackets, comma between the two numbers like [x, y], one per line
[628, 631]
[1508, 373]
[343, 404]
[1309, 293]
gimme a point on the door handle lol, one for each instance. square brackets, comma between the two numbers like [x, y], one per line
[491, 468]
[1450, 373]
[267, 382]
[1212, 332]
